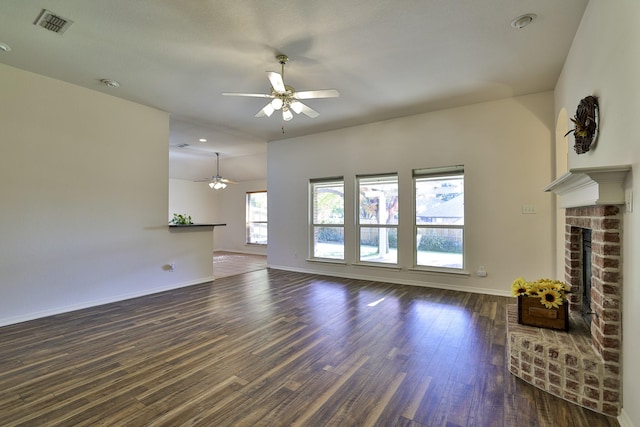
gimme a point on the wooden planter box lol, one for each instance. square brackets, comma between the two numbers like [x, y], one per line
[532, 313]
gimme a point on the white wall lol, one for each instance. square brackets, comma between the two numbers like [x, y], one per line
[226, 206]
[84, 194]
[605, 61]
[195, 199]
[231, 204]
[506, 149]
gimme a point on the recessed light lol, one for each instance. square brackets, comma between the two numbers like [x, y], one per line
[110, 83]
[522, 21]
[202, 140]
[5, 47]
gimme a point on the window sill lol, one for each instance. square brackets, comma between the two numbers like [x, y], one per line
[385, 266]
[194, 225]
[438, 272]
[327, 261]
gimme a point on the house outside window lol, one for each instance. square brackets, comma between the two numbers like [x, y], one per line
[378, 219]
[327, 218]
[257, 218]
[439, 217]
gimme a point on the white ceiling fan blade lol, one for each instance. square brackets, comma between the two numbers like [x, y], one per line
[299, 107]
[309, 94]
[252, 95]
[266, 111]
[205, 179]
[227, 181]
[276, 81]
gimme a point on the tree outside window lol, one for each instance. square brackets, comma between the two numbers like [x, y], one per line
[327, 218]
[257, 218]
[439, 217]
[378, 219]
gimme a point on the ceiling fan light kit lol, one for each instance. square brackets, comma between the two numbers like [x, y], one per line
[217, 185]
[285, 97]
[217, 182]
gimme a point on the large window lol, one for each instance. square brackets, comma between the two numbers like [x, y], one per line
[257, 218]
[378, 219]
[327, 218]
[439, 217]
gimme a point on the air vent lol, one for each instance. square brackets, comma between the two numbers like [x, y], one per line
[52, 22]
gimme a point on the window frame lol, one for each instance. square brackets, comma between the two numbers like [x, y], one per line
[249, 222]
[314, 184]
[436, 173]
[381, 177]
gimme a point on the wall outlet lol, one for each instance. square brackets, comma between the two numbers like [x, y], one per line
[481, 271]
[172, 267]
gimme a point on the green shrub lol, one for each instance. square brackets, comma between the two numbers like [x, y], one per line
[439, 244]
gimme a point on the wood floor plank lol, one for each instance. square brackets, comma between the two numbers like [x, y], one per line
[275, 348]
[322, 399]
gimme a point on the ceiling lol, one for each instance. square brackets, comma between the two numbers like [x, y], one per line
[386, 58]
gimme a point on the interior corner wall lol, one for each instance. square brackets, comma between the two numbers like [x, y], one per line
[231, 203]
[506, 149]
[561, 156]
[604, 61]
[84, 192]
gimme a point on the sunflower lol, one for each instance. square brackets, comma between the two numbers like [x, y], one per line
[551, 298]
[534, 288]
[519, 287]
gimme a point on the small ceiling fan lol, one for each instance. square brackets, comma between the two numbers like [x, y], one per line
[217, 182]
[285, 97]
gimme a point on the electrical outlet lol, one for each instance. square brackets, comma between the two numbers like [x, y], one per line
[481, 271]
[172, 267]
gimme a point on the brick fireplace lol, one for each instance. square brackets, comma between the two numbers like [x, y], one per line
[605, 223]
[583, 365]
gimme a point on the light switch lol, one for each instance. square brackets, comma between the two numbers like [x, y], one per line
[528, 209]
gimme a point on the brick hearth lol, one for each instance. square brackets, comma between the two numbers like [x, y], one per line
[582, 365]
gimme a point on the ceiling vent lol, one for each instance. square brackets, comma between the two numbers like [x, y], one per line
[52, 22]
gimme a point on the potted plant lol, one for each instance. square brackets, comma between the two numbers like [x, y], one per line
[542, 303]
[181, 219]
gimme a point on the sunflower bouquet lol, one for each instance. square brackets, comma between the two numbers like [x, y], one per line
[552, 293]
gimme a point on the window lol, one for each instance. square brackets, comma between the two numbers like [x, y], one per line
[257, 218]
[439, 219]
[378, 219]
[327, 218]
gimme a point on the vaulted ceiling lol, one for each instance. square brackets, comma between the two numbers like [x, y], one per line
[386, 58]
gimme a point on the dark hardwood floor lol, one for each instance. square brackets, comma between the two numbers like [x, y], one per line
[275, 348]
[227, 264]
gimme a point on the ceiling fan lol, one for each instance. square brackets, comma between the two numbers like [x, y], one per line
[285, 97]
[217, 182]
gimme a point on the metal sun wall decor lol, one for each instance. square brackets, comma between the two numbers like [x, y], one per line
[586, 124]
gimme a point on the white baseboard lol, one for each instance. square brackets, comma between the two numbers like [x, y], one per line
[398, 281]
[236, 251]
[97, 302]
[624, 420]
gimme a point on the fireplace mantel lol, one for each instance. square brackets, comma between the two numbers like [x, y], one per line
[591, 186]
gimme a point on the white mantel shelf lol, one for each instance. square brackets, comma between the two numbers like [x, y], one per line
[591, 186]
